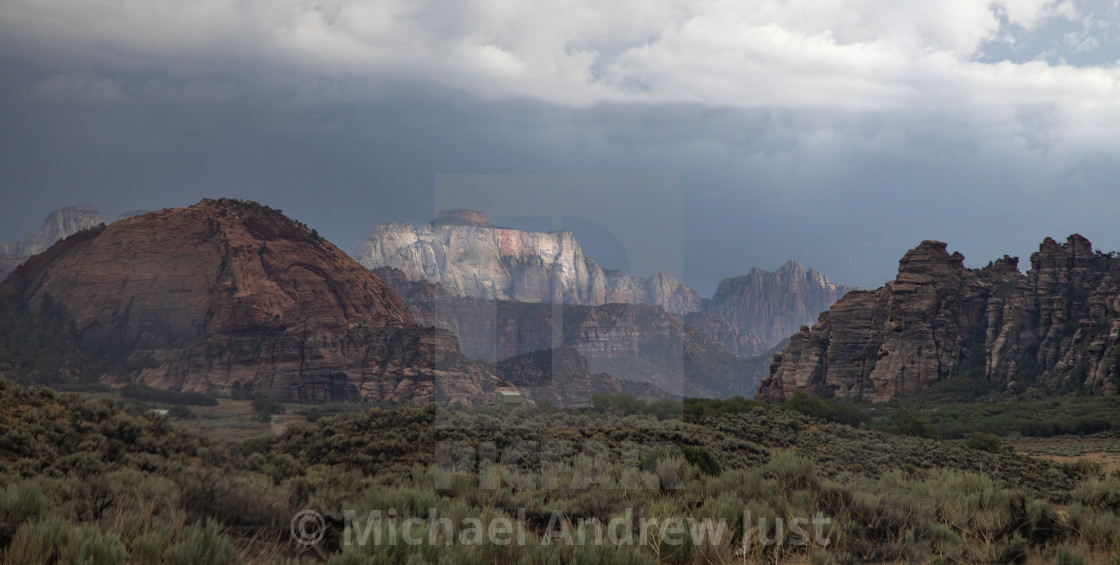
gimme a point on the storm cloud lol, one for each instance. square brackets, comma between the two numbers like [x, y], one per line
[838, 133]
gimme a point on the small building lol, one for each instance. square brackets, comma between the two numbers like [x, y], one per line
[508, 398]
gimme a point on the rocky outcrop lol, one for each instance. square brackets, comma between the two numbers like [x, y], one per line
[632, 342]
[225, 295]
[470, 257]
[59, 225]
[773, 305]
[992, 329]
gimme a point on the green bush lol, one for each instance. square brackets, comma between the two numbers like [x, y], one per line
[815, 407]
[908, 422]
[983, 442]
[702, 459]
[182, 413]
[268, 405]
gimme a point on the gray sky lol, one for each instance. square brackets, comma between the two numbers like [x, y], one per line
[837, 133]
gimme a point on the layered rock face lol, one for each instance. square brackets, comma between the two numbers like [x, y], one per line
[1057, 326]
[467, 256]
[59, 225]
[632, 342]
[470, 257]
[228, 294]
[773, 305]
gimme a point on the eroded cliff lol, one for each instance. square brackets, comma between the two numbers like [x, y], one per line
[470, 257]
[994, 329]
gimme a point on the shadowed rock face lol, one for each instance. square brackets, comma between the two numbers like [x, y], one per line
[559, 376]
[722, 332]
[773, 305]
[470, 257]
[59, 225]
[1057, 326]
[227, 294]
[631, 342]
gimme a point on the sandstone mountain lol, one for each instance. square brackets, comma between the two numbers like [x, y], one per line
[634, 343]
[219, 296]
[471, 257]
[59, 225]
[467, 256]
[773, 305]
[992, 330]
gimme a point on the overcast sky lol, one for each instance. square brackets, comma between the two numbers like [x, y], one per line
[837, 133]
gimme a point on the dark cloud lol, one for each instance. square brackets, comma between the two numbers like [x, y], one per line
[808, 136]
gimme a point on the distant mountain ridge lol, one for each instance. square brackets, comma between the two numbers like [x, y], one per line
[468, 256]
[774, 305]
[994, 330]
[59, 225]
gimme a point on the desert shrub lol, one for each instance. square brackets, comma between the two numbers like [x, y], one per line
[1069, 555]
[702, 459]
[182, 413]
[148, 548]
[58, 541]
[792, 471]
[816, 407]
[1100, 530]
[201, 544]
[268, 405]
[20, 502]
[696, 408]
[232, 498]
[1102, 493]
[908, 422]
[983, 442]
[617, 404]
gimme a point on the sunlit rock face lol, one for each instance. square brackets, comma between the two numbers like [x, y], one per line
[470, 257]
[59, 225]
